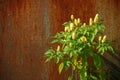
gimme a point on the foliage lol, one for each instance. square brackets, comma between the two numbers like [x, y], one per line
[77, 43]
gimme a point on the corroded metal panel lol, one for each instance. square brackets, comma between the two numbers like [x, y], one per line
[24, 39]
[109, 10]
[26, 27]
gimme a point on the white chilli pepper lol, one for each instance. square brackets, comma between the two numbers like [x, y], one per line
[58, 48]
[70, 44]
[90, 22]
[96, 18]
[76, 22]
[66, 29]
[104, 39]
[100, 37]
[73, 35]
[83, 39]
[84, 24]
[72, 17]
[71, 26]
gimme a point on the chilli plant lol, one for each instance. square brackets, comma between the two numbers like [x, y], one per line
[79, 48]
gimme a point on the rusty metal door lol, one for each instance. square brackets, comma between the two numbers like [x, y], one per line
[26, 27]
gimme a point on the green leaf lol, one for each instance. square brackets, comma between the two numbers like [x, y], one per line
[111, 49]
[67, 49]
[57, 59]
[67, 63]
[102, 76]
[96, 31]
[93, 77]
[75, 61]
[66, 23]
[71, 54]
[84, 32]
[47, 60]
[83, 74]
[73, 67]
[58, 35]
[70, 78]
[49, 54]
[101, 50]
[54, 41]
[97, 60]
[61, 66]
[92, 38]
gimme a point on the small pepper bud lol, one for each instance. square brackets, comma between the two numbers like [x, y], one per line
[66, 29]
[72, 17]
[90, 21]
[58, 48]
[76, 22]
[100, 37]
[73, 35]
[70, 44]
[71, 26]
[69, 30]
[83, 38]
[84, 24]
[96, 18]
[104, 39]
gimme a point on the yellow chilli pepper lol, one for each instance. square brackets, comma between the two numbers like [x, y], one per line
[104, 39]
[58, 48]
[72, 17]
[83, 38]
[96, 18]
[73, 35]
[90, 21]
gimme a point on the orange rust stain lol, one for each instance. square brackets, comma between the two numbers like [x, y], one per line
[25, 33]
[22, 42]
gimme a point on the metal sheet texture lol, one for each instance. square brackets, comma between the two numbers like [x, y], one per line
[27, 25]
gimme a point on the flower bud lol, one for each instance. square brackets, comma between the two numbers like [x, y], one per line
[83, 38]
[66, 29]
[58, 48]
[100, 37]
[96, 18]
[104, 39]
[76, 22]
[90, 21]
[72, 17]
[70, 44]
[71, 26]
[84, 24]
[73, 35]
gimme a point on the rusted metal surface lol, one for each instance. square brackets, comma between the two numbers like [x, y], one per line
[24, 39]
[26, 27]
[110, 11]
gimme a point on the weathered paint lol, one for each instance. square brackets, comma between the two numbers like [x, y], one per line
[26, 27]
